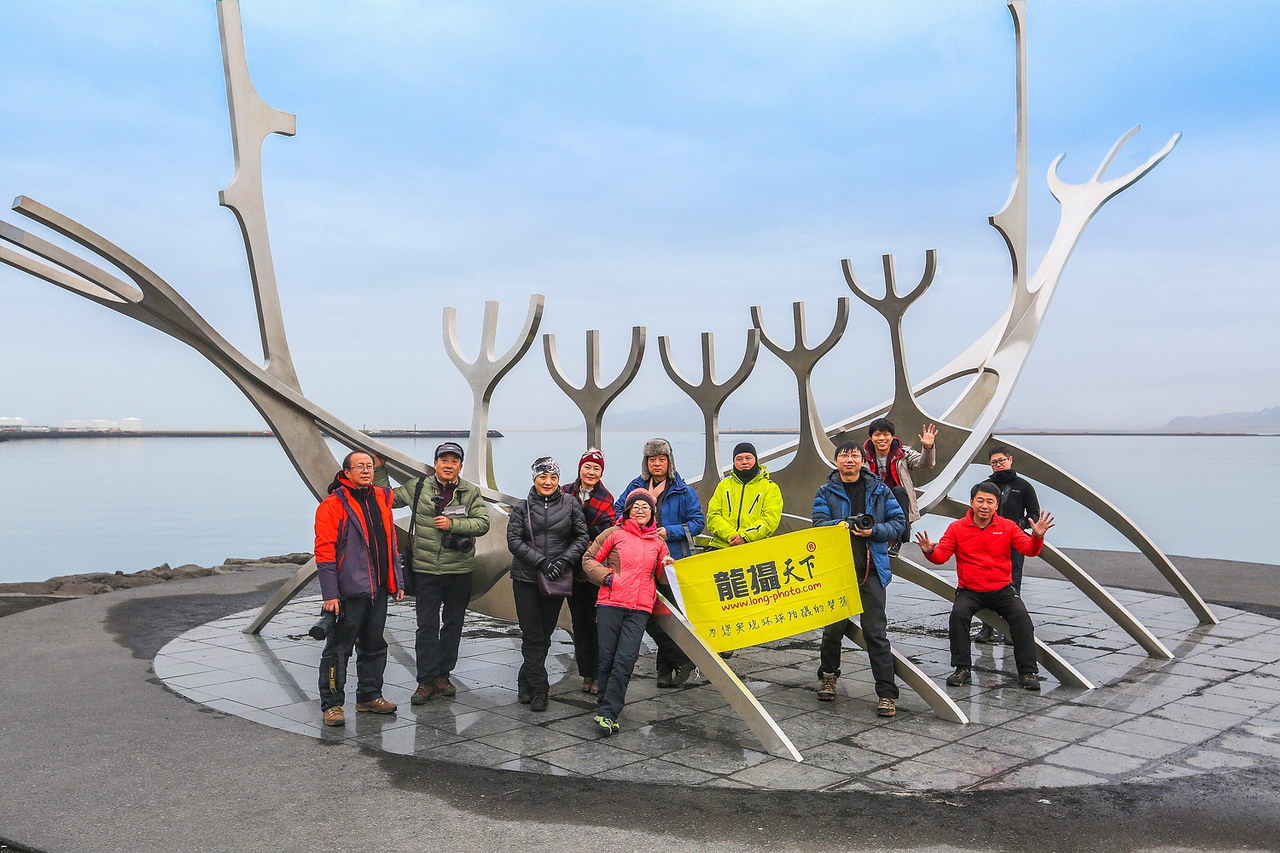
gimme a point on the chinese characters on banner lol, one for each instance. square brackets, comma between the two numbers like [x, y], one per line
[766, 590]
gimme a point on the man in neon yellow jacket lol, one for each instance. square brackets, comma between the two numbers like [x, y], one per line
[747, 505]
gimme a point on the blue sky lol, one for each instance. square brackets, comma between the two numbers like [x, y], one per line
[666, 164]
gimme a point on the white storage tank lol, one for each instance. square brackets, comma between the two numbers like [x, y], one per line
[131, 425]
[75, 425]
[102, 425]
[13, 423]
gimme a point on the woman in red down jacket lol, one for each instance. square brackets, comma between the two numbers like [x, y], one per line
[625, 560]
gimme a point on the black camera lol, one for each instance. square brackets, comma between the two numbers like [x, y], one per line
[323, 626]
[861, 521]
[454, 541]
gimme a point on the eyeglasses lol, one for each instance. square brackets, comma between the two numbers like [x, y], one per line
[1003, 460]
[366, 466]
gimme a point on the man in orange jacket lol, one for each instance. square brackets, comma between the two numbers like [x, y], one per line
[983, 542]
[358, 566]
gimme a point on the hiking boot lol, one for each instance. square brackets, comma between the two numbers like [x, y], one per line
[333, 716]
[664, 678]
[826, 687]
[682, 673]
[445, 686]
[962, 675]
[377, 706]
[606, 725]
[886, 707]
[588, 685]
[538, 702]
[1029, 681]
[985, 634]
[425, 693]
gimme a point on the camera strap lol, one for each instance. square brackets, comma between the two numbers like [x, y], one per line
[407, 562]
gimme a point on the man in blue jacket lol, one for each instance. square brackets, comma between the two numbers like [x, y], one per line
[852, 491]
[680, 519]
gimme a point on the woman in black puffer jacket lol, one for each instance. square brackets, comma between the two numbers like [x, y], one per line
[546, 534]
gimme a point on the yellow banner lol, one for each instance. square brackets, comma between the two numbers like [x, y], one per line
[778, 587]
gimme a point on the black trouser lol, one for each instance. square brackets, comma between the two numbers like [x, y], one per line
[441, 605]
[360, 625]
[874, 628]
[620, 634]
[582, 607]
[1008, 604]
[1016, 558]
[670, 656]
[900, 494]
[537, 614]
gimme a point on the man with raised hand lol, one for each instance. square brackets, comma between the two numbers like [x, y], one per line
[982, 542]
[448, 514]
[1019, 504]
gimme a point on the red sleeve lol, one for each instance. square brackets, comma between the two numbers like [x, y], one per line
[1025, 544]
[328, 514]
[946, 546]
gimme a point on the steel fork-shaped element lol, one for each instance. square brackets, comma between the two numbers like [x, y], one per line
[484, 374]
[593, 398]
[709, 396]
[812, 461]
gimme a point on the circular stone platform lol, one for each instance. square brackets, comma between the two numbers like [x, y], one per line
[1215, 707]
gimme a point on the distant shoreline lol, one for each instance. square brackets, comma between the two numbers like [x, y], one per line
[24, 435]
[28, 435]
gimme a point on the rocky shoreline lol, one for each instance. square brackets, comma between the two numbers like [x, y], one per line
[16, 597]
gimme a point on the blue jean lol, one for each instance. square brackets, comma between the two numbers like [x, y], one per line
[620, 633]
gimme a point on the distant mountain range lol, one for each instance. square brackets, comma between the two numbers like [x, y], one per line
[1267, 420]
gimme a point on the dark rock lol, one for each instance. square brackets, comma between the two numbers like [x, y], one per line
[295, 559]
[82, 588]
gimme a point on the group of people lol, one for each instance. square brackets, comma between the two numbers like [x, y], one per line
[608, 558]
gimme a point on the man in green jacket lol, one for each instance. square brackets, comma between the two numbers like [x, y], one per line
[448, 514]
[747, 505]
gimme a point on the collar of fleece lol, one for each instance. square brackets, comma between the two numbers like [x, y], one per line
[636, 530]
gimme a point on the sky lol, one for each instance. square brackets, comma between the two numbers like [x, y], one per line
[665, 164]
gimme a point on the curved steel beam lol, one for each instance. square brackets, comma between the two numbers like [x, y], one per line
[1042, 470]
[1056, 665]
[914, 677]
[1084, 582]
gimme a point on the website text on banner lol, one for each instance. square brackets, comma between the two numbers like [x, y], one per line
[751, 594]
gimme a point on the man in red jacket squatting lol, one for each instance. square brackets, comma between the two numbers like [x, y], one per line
[983, 542]
[359, 567]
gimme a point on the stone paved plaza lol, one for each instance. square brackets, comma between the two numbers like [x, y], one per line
[1215, 707]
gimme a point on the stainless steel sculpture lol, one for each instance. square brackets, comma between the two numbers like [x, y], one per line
[991, 367]
[593, 398]
[709, 397]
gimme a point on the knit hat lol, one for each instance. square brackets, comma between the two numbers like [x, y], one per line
[640, 495]
[849, 445]
[745, 447]
[592, 455]
[545, 465]
[657, 447]
[449, 447]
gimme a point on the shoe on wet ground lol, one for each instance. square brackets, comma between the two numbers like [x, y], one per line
[538, 702]
[424, 693]
[682, 673]
[588, 685]
[606, 725]
[523, 694]
[333, 716]
[664, 679]
[962, 675]
[826, 687]
[445, 686]
[1029, 681]
[985, 635]
[377, 706]
[886, 707]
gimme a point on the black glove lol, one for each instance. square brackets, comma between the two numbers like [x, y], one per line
[608, 579]
[557, 567]
[544, 565]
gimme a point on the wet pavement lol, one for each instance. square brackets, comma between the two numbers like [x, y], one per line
[1215, 707]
